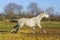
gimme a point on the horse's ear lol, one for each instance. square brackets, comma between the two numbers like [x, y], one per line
[44, 12]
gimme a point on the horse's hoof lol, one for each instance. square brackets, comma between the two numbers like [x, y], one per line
[11, 31]
[45, 32]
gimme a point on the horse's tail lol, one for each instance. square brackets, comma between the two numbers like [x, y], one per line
[14, 20]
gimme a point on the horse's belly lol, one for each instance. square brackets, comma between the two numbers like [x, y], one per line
[30, 23]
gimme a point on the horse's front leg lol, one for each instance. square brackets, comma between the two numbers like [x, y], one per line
[43, 30]
[38, 24]
[33, 30]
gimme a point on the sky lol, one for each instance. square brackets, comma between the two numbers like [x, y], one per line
[43, 4]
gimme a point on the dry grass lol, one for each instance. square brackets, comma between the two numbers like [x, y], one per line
[28, 36]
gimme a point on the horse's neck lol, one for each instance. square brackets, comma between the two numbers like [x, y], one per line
[39, 17]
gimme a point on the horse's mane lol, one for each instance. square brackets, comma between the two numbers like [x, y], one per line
[40, 15]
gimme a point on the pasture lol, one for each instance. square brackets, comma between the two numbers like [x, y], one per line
[52, 28]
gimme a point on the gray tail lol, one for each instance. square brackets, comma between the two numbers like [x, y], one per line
[14, 20]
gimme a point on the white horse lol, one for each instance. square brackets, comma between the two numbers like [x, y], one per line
[32, 22]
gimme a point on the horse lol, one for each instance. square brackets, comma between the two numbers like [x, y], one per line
[31, 22]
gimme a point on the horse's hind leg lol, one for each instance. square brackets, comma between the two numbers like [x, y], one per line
[15, 29]
[20, 26]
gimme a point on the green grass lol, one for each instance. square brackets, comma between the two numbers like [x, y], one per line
[50, 24]
[6, 26]
[9, 26]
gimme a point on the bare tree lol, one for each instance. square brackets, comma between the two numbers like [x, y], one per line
[57, 16]
[2, 16]
[50, 11]
[33, 8]
[11, 9]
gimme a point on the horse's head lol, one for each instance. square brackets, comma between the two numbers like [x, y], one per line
[46, 15]
[42, 15]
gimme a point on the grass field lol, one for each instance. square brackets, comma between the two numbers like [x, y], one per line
[52, 28]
